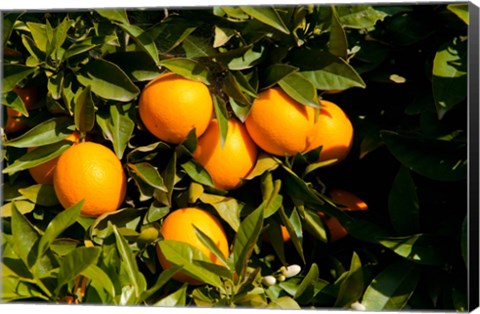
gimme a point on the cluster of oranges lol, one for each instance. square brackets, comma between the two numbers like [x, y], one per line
[170, 106]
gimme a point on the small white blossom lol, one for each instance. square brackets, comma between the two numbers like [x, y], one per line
[291, 271]
[269, 280]
[357, 306]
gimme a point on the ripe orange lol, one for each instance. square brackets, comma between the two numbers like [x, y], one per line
[346, 201]
[43, 173]
[333, 131]
[278, 124]
[92, 172]
[285, 234]
[226, 165]
[178, 226]
[170, 106]
[14, 124]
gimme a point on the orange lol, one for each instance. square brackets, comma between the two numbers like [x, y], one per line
[278, 124]
[285, 234]
[346, 201]
[333, 131]
[178, 226]
[226, 165]
[14, 123]
[43, 173]
[170, 106]
[92, 172]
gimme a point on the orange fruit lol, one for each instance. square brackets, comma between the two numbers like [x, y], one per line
[170, 106]
[278, 124]
[346, 201]
[178, 226]
[226, 165]
[333, 131]
[92, 172]
[285, 234]
[14, 123]
[43, 173]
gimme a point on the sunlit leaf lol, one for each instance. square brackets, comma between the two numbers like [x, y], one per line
[13, 74]
[84, 113]
[177, 298]
[351, 288]
[266, 15]
[41, 194]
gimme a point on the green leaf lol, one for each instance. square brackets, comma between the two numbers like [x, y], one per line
[420, 248]
[300, 88]
[227, 208]
[184, 255]
[37, 156]
[196, 47]
[84, 113]
[117, 15]
[41, 194]
[434, 159]
[284, 303]
[135, 277]
[221, 114]
[460, 10]
[187, 68]
[149, 175]
[143, 69]
[107, 80]
[177, 298]
[48, 132]
[210, 244]
[24, 235]
[276, 72]
[24, 207]
[74, 263]
[359, 16]
[13, 289]
[351, 288]
[88, 44]
[403, 204]
[117, 125]
[449, 80]
[60, 223]
[270, 193]
[55, 85]
[9, 20]
[14, 74]
[305, 288]
[39, 34]
[197, 172]
[246, 238]
[392, 288]
[249, 57]
[163, 279]
[143, 39]
[267, 16]
[327, 72]
[99, 277]
[264, 163]
[337, 43]
[12, 100]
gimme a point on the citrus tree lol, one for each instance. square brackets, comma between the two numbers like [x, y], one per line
[309, 156]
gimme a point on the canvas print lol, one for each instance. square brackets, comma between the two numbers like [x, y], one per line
[307, 156]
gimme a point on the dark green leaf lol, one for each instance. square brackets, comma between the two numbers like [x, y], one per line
[48, 132]
[450, 75]
[163, 279]
[246, 238]
[359, 16]
[12, 100]
[24, 235]
[221, 114]
[196, 47]
[143, 69]
[227, 208]
[41, 194]
[90, 43]
[460, 10]
[210, 244]
[37, 157]
[107, 80]
[187, 68]
[351, 287]
[149, 175]
[136, 278]
[75, 263]
[183, 254]
[117, 15]
[403, 204]
[9, 20]
[13, 74]
[84, 111]
[197, 172]
[392, 288]
[60, 223]
[435, 159]
[305, 288]
[177, 298]
[267, 16]
[300, 88]
[275, 73]
[420, 248]
[143, 39]
[337, 43]
[55, 85]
